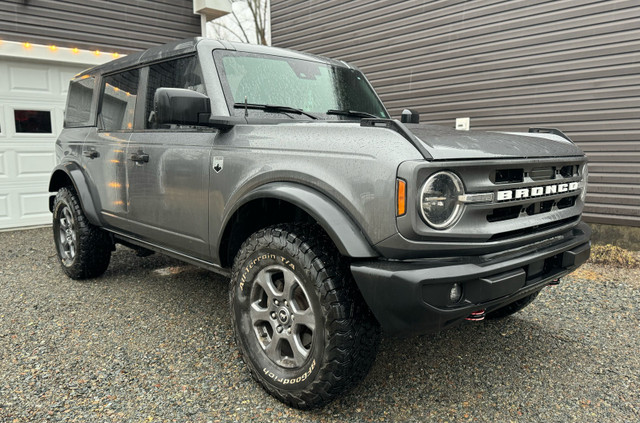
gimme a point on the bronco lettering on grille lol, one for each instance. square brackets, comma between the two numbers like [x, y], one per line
[520, 193]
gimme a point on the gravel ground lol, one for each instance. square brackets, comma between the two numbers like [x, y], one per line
[151, 341]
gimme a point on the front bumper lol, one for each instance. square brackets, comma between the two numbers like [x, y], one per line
[412, 297]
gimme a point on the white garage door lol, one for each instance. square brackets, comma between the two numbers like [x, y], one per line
[32, 101]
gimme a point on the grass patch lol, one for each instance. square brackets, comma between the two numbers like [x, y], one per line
[614, 256]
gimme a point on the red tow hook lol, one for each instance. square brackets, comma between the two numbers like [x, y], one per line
[554, 282]
[476, 316]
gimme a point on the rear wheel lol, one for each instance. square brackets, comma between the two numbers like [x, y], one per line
[300, 323]
[512, 308]
[84, 250]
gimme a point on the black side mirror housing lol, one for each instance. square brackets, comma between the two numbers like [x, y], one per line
[410, 116]
[180, 106]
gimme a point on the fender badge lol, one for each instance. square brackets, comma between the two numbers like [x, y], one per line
[218, 163]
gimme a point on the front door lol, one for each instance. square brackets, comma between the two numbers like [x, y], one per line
[168, 169]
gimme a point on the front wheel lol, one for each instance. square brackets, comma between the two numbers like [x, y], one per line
[300, 323]
[84, 250]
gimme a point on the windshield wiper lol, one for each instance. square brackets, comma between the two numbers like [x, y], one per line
[273, 108]
[355, 113]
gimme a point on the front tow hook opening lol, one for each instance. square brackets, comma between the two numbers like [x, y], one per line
[477, 316]
[554, 282]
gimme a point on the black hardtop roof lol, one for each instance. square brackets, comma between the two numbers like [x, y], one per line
[186, 46]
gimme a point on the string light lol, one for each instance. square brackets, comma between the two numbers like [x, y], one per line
[54, 48]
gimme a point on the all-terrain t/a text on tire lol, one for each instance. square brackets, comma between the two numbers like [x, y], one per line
[301, 325]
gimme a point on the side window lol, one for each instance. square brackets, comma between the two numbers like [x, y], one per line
[180, 73]
[117, 107]
[79, 103]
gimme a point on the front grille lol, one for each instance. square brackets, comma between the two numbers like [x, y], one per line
[532, 191]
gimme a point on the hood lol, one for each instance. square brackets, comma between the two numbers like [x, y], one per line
[443, 143]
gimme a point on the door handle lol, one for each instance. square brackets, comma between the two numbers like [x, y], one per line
[140, 157]
[92, 154]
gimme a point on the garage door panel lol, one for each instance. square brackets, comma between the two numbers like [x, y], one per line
[4, 206]
[34, 205]
[35, 164]
[24, 206]
[3, 124]
[4, 168]
[29, 78]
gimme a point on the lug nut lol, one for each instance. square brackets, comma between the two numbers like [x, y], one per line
[273, 314]
[289, 331]
[293, 316]
[279, 329]
[285, 302]
[276, 302]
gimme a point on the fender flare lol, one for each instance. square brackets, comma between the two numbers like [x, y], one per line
[74, 172]
[341, 228]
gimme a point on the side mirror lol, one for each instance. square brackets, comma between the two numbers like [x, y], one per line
[180, 106]
[410, 116]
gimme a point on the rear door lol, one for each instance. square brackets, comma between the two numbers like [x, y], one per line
[168, 168]
[105, 146]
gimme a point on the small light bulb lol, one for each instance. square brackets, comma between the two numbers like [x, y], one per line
[53, 48]
[456, 293]
[97, 52]
[75, 50]
[27, 45]
[115, 55]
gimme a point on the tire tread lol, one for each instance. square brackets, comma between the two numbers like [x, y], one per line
[354, 334]
[94, 245]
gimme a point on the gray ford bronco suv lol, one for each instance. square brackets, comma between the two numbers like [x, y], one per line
[285, 172]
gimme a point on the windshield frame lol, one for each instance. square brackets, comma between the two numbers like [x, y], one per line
[219, 54]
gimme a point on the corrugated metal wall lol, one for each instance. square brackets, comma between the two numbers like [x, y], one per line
[119, 25]
[507, 64]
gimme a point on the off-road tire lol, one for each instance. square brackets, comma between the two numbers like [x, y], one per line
[345, 338]
[89, 257]
[512, 308]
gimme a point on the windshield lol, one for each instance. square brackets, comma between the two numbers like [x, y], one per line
[313, 87]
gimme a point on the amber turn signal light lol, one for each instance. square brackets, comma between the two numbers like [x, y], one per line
[402, 197]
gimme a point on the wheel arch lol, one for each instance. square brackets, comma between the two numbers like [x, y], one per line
[71, 174]
[293, 202]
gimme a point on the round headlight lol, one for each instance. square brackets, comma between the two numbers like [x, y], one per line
[585, 177]
[439, 201]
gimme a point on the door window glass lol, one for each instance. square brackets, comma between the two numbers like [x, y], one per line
[180, 73]
[32, 121]
[117, 108]
[79, 103]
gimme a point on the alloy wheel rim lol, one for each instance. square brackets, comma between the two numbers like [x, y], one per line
[282, 316]
[67, 236]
